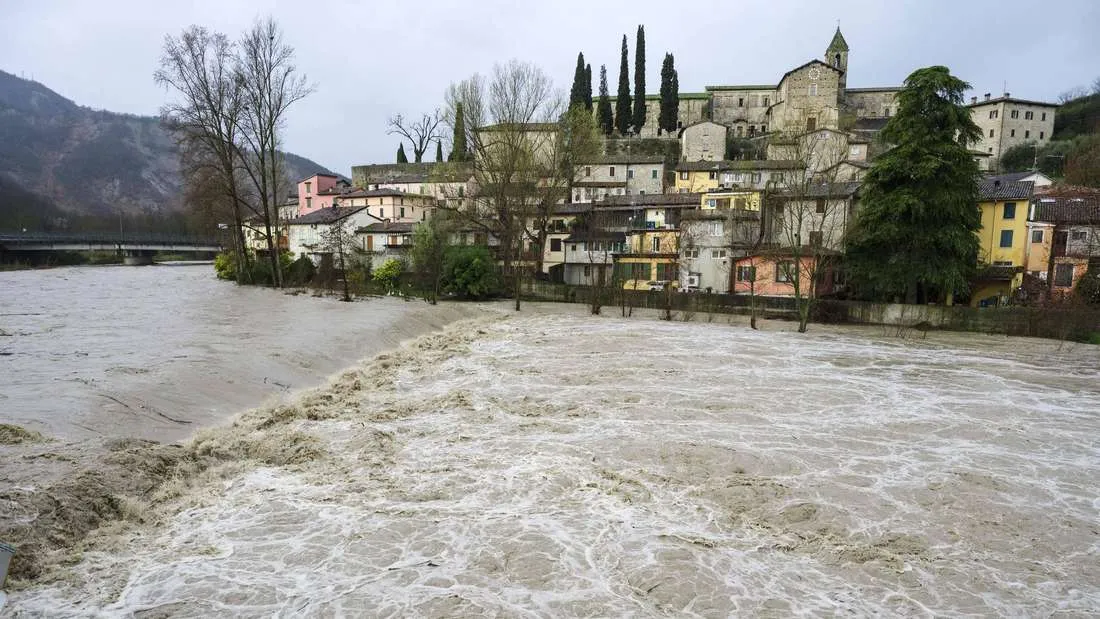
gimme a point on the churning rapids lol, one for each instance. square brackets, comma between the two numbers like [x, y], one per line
[550, 463]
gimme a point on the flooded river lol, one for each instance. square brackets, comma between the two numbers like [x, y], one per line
[556, 464]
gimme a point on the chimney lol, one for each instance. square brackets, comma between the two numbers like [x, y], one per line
[973, 99]
[996, 182]
[987, 96]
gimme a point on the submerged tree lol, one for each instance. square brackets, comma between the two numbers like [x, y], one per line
[431, 238]
[915, 236]
[338, 239]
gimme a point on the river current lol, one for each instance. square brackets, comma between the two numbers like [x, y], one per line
[551, 463]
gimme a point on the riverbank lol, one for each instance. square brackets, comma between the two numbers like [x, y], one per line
[557, 463]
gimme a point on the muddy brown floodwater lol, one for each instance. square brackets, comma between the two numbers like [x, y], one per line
[557, 464]
[97, 362]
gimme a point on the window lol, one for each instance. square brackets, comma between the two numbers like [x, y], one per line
[712, 203]
[1042, 134]
[722, 203]
[461, 191]
[572, 247]
[381, 211]
[1029, 115]
[1027, 134]
[611, 171]
[766, 99]
[555, 244]
[691, 253]
[588, 170]
[811, 123]
[752, 130]
[1002, 263]
[1012, 134]
[402, 211]
[630, 173]
[666, 272]
[1015, 114]
[712, 176]
[820, 206]
[309, 203]
[1036, 236]
[990, 133]
[1078, 235]
[740, 131]
[653, 173]
[763, 128]
[715, 228]
[853, 151]
[1010, 210]
[656, 244]
[683, 176]
[813, 90]
[740, 102]
[1006, 238]
[991, 112]
[718, 254]
[784, 271]
[756, 177]
[1063, 275]
[746, 274]
[1044, 116]
[816, 238]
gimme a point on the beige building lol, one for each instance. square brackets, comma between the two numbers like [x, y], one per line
[618, 175]
[390, 204]
[1006, 122]
[703, 141]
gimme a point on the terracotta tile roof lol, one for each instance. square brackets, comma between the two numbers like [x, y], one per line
[388, 226]
[326, 215]
[1067, 210]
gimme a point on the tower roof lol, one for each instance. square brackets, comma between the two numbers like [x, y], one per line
[838, 44]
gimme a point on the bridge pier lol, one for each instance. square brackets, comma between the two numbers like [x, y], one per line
[137, 257]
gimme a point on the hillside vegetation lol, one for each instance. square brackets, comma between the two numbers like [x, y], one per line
[1073, 153]
[67, 166]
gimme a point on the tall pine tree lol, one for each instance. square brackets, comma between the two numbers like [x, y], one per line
[588, 87]
[458, 142]
[623, 111]
[604, 119]
[401, 157]
[915, 236]
[670, 98]
[639, 81]
[439, 150]
[577, 92]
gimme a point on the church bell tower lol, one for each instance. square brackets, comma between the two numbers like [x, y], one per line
[837, 56]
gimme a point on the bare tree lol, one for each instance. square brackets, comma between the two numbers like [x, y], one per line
[198, 67]
[420, 132]
[1075, 93]
[745, 231]
[339, 239]
[809, 216]
[513, 128]
[269, 84]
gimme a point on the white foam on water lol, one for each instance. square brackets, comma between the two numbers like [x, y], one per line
[602, 467]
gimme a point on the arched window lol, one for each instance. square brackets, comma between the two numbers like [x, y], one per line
[836, 61]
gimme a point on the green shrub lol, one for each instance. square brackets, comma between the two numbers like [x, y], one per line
[225, 265]
[388, 275]
[469, 271]
[300, 272]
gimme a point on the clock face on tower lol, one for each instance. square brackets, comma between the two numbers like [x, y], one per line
[815, 73]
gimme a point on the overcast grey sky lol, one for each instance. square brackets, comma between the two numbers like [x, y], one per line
[370, 60]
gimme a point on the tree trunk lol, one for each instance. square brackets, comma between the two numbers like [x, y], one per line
[344, 274]
[752, 303]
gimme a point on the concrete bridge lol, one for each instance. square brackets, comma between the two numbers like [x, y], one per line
[136, 247]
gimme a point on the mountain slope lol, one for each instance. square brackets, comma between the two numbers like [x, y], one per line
[88, 162]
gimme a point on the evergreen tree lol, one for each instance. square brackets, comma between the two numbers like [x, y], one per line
[604, 119]
[401, 157]
[578, 91]
[438, 150]
[623, 111]
[670, 98]
[639, 81]
[458, 142]
[915, 235]
[588, 87]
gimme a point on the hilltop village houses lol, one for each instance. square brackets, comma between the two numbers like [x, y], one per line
[728, 222]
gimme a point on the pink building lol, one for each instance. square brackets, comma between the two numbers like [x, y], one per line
[318, 191]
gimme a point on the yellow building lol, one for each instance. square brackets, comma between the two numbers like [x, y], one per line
[1003, 240]
[702, 176]
[652, 256]
[731, 198]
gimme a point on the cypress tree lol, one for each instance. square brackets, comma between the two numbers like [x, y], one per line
[670, 104]
[458, 143]
[438, 150]
[588, 87]
[603, 109]
[401, 157]
[577, 92]
[623, 110]
[916, 232]
[639, 81]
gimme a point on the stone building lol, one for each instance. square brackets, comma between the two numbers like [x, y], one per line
[618, 175]
[1006, 122]
[703, 141]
